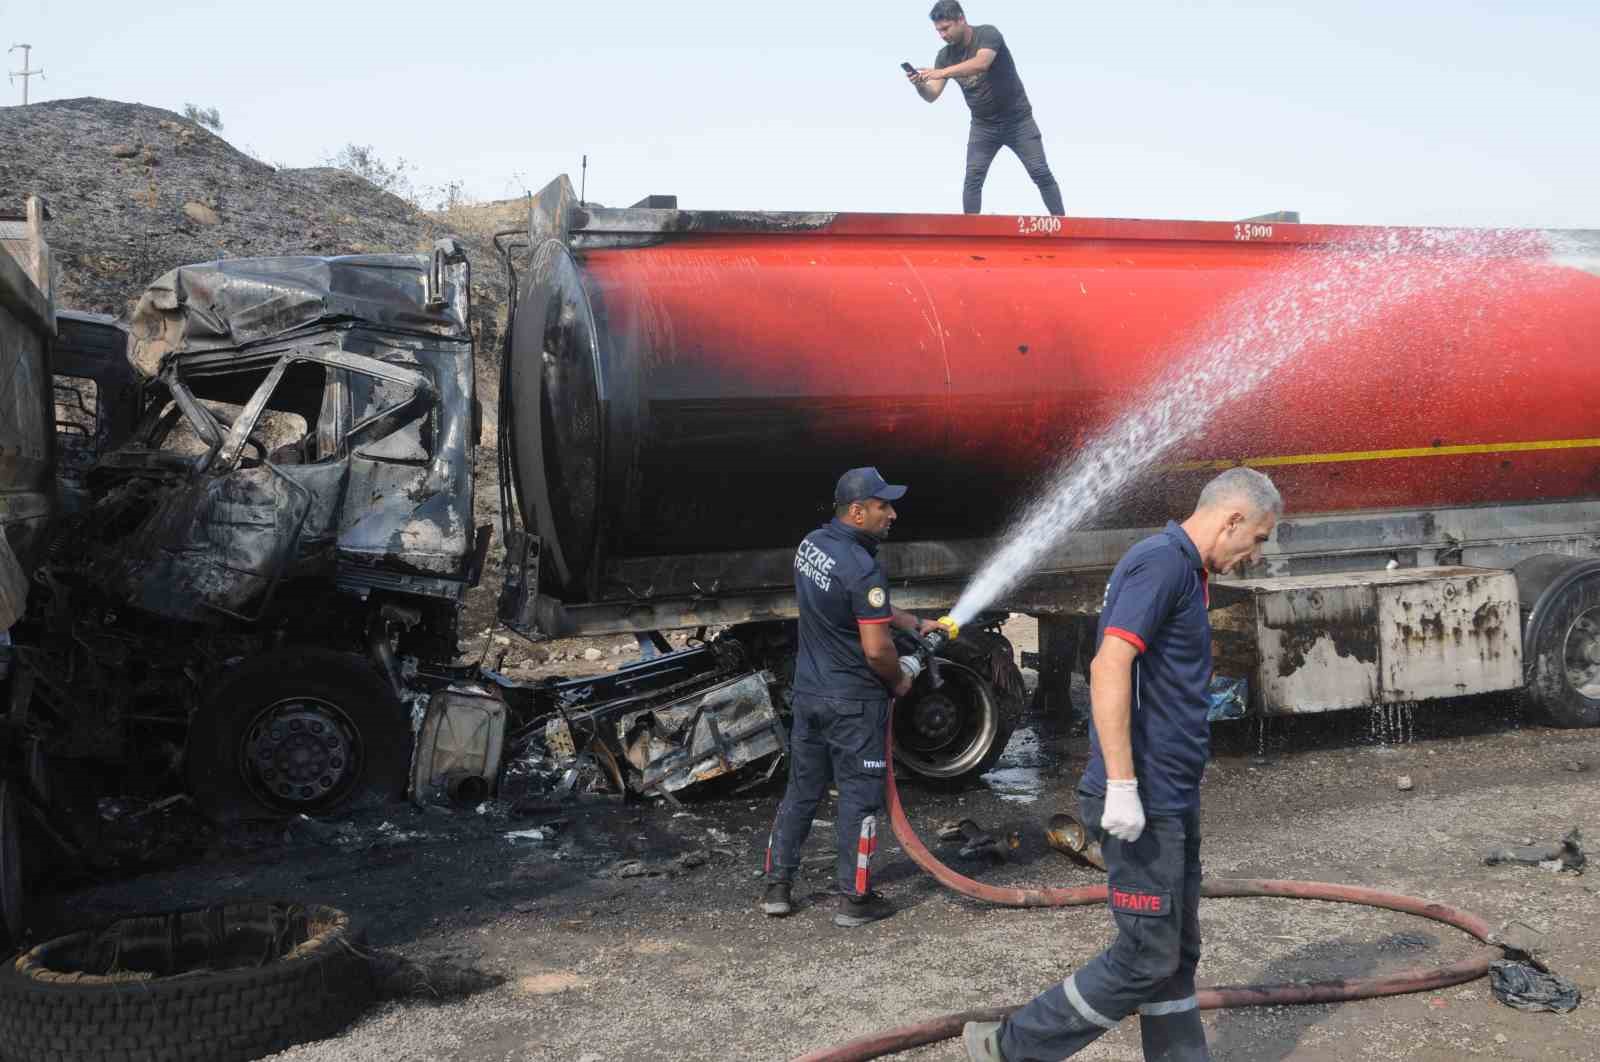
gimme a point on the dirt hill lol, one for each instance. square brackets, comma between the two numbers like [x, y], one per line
[136, 190]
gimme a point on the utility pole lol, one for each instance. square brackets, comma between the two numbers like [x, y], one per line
[25, 73]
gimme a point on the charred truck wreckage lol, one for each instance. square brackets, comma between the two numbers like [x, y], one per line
[261, 577]
[259, 542]
[236, 552]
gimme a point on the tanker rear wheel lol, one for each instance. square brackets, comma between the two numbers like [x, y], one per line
[1562, 645]
[950, 736]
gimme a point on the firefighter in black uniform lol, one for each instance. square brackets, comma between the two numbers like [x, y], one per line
[846, 672]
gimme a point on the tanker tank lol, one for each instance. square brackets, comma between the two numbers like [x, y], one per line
[684, 386]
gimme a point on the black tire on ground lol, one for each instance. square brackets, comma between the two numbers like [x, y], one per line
[298, 731]
[127, 993]
[1561, 637]
[983, 682]
[12, 916]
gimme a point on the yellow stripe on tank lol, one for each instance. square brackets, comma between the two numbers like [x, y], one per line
[1388, 455]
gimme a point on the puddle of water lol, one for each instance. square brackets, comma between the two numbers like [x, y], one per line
[1025, 750]
[1019, 777]
[1018, 785]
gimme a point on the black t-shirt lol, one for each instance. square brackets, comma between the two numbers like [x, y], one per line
[838, 585]
[996, 94]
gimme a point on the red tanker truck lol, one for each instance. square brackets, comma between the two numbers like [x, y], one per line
[681, 387]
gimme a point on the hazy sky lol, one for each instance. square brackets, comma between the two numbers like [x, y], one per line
[1397, 112]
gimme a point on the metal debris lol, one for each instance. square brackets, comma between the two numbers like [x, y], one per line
[1567, 855]
[1071, 838]
[1526, 986]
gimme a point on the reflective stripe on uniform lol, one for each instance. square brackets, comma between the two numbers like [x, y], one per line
[864, 849]
[1168, 1006]
[1081, 1005]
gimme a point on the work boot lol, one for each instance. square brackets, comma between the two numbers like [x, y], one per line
[776, 902]
[982, 1041]
[859, 910]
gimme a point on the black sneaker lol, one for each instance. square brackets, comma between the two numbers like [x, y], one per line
[859, 910]
[776, 900]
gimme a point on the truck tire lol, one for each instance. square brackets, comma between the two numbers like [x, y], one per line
[301, 731]
[1561, 637]
[91, 997]
[948, 737]
[12, 916]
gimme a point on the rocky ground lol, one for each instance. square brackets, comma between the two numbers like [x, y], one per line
[630, 932]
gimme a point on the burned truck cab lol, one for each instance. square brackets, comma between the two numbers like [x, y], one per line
[280, 539]
[329, 399]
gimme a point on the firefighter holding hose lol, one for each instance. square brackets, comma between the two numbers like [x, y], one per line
[846, 670]
[1149, 741]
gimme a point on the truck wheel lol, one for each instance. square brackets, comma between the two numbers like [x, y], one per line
[302, 731]
[1561, 639]
[229, 982]
[951, 735]
[11, 913]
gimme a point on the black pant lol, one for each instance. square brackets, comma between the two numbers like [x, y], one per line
[1149, 968]
[844, 738]
[1022, 136]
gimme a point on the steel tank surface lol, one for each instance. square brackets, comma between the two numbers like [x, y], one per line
[692, 383]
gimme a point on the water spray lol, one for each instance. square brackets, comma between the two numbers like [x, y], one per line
[1305, 308]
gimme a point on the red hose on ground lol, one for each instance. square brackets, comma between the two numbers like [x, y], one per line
[948, 1026]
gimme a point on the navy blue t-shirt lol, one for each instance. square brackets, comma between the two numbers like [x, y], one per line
[838, 585]
[1156, 601]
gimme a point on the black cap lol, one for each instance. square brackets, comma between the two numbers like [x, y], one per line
[859, 484]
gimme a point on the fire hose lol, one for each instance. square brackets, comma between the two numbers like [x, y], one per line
[948, 1026]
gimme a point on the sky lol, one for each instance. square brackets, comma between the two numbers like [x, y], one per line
[1407, 112]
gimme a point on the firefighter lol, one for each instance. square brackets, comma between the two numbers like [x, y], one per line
[846, 670]
[1148, 744]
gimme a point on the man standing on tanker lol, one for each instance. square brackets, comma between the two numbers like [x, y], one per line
[978, 58]
[845, 672]
[1149, 738]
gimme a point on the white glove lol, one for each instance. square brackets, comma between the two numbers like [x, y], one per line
[910, 668]
[1123, 817]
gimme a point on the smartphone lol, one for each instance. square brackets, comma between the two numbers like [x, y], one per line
[908, 68]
